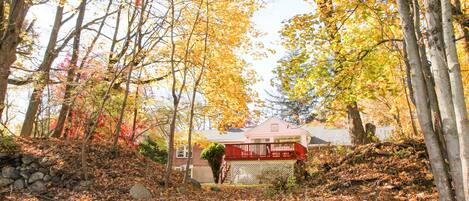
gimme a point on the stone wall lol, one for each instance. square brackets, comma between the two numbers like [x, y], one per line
[27, 172]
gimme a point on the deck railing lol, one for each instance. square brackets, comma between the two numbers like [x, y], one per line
[265, 151]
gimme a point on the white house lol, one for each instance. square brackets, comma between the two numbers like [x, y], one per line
[272, 144]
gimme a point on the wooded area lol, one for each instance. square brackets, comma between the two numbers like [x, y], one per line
[129, 72]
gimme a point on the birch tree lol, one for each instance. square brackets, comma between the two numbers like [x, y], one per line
[457, 91]
[423, 110]
[443, 91]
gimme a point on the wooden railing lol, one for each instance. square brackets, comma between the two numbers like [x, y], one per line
[265, 151]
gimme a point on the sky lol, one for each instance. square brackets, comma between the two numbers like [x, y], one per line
[268, 20]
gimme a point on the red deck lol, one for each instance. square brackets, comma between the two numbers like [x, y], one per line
[265, 151]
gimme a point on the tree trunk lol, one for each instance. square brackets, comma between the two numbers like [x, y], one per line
[460, 20]
[172, 126]
[443, 92]
[44, 69]
[457, 90]
[356, 130]
[408, 97]
[70, 73]
[134, 62]
[9, 40]
[423, 110]
[429, 80]
[194, 92]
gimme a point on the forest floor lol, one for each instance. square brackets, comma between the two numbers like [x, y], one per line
[383, 171]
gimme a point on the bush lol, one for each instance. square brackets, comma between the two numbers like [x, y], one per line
[278, 181]
[150, 149]
[8, 144]
[214, 155]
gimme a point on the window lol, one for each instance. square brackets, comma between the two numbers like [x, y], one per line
[182, 152]
[273, 127]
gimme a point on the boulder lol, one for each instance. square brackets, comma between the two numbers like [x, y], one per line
[195, 183]
[34, 166]
[4, 155]
[216, 189]
[5, 182]
[38, 187]
[19, 184]
[47, 178]
[28, 159]
[25, 174]
[35, 177]
[139, 191]
[181, 189]
[10, 173]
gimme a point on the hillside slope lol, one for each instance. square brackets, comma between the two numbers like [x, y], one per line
[390, 171]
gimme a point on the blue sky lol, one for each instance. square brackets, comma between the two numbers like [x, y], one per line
[269, 21]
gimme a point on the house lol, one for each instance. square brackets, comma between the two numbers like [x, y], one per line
[272, 144]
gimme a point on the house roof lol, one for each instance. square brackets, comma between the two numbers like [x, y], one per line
[232, 135]
[340, 135]
[284, 129]
[316, 140]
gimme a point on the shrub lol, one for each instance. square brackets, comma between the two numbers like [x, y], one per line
[7, 144]
[278, 181]
[150, 149]
[214, 155]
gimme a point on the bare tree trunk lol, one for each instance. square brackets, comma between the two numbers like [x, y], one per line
[457, 90]
[356, 130]
[444, 96]
[175, 91]
[134, 121]
[409, 98]
[172, 126]
[194, 93]
[9, 40]
[69, 87]
[44, 68]
[423, 110]
[134, 61]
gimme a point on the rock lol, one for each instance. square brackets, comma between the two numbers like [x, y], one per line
[216, 189]
[10, 173]
[43, 170]
[53, 172]
[195, 183]
[4, 155]
[28, 159]
[47, 178]
[139, 191]
[182, 190]
[5, 182]
[19, 184]
[25, 174]
[34, 166]
[38, 187]
[35, 177]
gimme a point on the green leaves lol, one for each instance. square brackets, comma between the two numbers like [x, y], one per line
[342, 57]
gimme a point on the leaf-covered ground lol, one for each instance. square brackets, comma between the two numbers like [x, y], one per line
[386, 171]
[382, 171]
